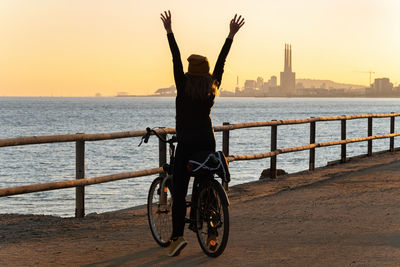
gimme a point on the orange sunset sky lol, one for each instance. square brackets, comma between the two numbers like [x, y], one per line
[80, 48]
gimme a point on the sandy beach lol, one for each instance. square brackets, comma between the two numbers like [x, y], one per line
[339, 215]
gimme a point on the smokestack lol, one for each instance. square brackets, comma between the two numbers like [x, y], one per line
[290, 58]
[284, 63]
[286, 57]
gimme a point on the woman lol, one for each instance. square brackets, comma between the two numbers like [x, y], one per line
[196, 91]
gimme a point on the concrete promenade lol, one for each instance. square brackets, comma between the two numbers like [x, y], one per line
[342, 215]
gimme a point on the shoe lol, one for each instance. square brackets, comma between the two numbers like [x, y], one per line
[212, 242]
[176, 246]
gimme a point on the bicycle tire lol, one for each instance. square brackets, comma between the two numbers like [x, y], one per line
[159, 218]
[212, 217]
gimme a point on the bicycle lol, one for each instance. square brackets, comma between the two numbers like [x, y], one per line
[209, 214]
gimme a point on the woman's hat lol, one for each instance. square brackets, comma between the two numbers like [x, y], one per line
[198, 65]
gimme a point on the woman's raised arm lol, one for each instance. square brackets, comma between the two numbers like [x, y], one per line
[235, 25]
[179, 75]
[166, 19]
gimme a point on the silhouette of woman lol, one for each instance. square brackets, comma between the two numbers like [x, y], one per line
[196, 91]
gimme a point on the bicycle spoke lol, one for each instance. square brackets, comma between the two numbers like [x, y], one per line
[159, 215]
[213, 230]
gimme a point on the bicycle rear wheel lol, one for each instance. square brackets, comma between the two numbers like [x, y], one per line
[160, 215]
[212, 219]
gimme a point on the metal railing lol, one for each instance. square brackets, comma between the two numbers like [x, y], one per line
[81, 138]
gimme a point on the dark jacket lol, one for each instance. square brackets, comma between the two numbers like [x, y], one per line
[193, 122]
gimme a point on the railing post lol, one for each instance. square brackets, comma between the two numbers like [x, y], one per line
[343, 128]
[311, 165]
[392, 131]
[162, 151]
[225, 149]
[274, 138]
[370, 134]
[80, 174]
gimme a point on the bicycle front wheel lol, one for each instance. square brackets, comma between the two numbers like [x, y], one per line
[160, 214]
[212, 219]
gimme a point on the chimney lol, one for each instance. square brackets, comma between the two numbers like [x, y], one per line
[290, 58]
[286, 58]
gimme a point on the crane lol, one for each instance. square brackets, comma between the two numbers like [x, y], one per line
[370, 74]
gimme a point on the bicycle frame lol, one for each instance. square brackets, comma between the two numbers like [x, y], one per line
[168, 178]
[209, 215]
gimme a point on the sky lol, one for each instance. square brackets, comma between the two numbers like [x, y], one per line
[80, 48]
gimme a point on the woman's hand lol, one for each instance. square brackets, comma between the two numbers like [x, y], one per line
[235, 25]
[166, 19]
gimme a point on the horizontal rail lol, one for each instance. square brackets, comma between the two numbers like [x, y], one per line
[30, 140]
[307, 147]
[79, 182]
[300, 121]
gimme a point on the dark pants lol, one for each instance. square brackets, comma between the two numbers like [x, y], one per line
[180, 181]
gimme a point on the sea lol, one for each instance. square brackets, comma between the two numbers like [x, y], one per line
[43, 163]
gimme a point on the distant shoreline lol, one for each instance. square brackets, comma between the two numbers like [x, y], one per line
[149, 96]
[299, 96]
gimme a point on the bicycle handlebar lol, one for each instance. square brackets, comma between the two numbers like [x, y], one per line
[145, 138]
